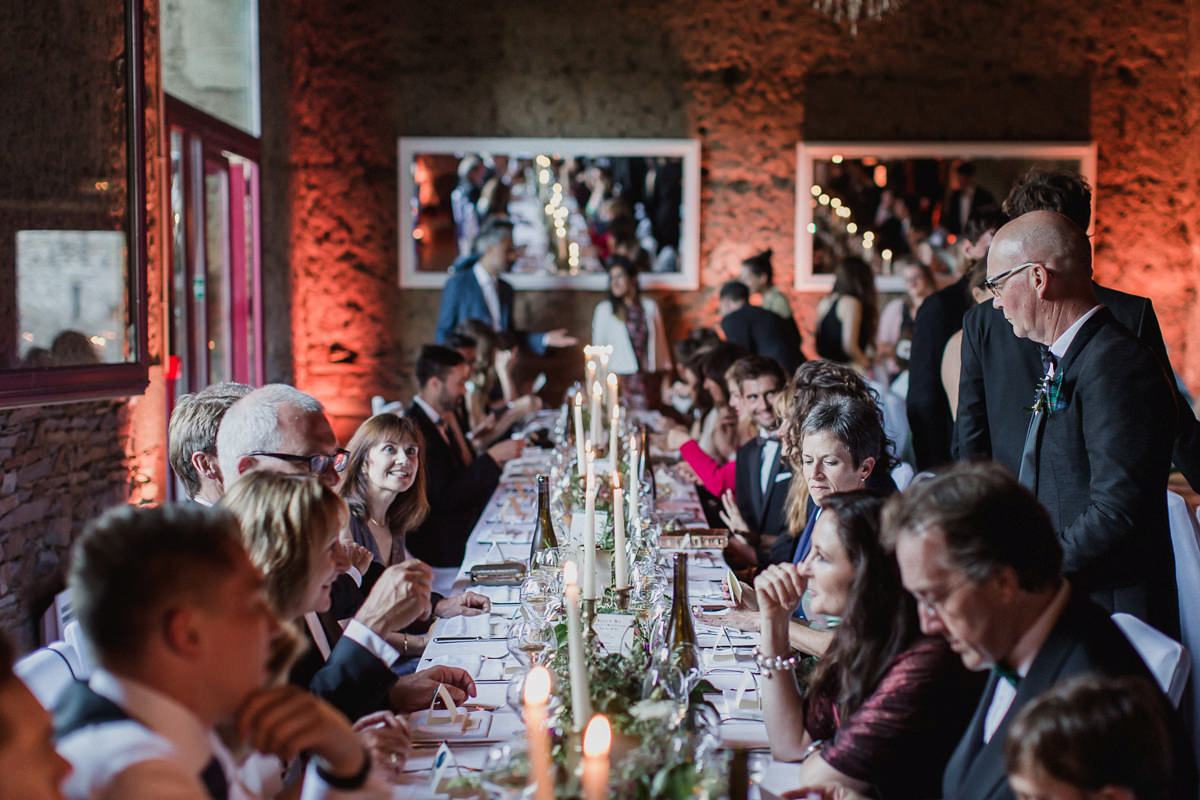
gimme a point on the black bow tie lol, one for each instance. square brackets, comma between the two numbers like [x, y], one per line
[1007, 673]
[1048, 359]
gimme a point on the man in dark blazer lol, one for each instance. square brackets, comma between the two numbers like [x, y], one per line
[760, 331]
[1097, 452]
[762, 474]
[458, 483]
[979, 554]
[475, 290]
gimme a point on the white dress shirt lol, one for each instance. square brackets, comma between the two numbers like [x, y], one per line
[1063, 342]
[161, 754]
[491, 296]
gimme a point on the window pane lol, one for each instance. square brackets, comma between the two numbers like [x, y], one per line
[216, 252]
[210, 57]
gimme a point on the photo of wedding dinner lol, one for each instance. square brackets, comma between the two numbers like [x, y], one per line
[711, 400]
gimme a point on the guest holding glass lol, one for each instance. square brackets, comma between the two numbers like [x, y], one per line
[632, 325]
[886, 704]
[847, 316]
[893, 339]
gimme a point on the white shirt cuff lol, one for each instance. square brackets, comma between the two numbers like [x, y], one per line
[355, 575]
[373, 642]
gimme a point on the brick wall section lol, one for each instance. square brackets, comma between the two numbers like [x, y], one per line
[750, 78]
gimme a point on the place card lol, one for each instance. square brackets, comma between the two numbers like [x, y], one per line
[443, 760]
[734, 587]
[614, 631]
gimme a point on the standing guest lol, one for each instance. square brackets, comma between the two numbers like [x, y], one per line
[632, 325]
[980, 555]
[759, 276]
[1092, 737]
[756, 329]
[458, 483]
[176, 615]
[893, 340]
[847, 316]
[886, 704]
[478, 292]
[384, 487]
[999, 369]
[965, 202]
[938, 319]
[32, 768]
[952, 354]
[1098, 450]
[192, 439]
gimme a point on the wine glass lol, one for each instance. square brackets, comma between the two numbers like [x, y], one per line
[535, 597]
[530, 641]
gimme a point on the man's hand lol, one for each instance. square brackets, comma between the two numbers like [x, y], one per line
[559, 338]
[506, 450]
[525, 405]
[360, 557]
[677, 437]
[287, 721]
[467, 604]
[732, 515]
[388, 740]
[416, 691]
[399, 598]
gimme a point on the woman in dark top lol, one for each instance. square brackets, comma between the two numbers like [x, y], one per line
[847, 316]
[886, 705]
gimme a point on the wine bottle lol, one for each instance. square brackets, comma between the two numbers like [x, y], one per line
[646, 468]
[739, 774]
[681, 634]
[543, 531]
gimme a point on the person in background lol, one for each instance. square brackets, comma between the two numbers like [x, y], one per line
[1103, 738]
[192, 439]
[886, 704]
[631, 324]
[893, 340]
[952, 355]
[847, 316]
[756, 329]
[759, 276]
[31, 767]
[681, 389]
[491, 405]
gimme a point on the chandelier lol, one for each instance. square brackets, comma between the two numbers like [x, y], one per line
[853, 10]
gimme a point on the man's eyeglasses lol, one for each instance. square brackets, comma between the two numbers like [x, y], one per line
[992, 284]
[317, 463]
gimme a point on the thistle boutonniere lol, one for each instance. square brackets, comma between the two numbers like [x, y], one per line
[1048, 397]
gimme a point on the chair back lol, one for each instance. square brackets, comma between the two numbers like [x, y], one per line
[49, 670]
[1166, 658]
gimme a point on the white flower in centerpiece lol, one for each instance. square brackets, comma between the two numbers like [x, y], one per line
[660, 710]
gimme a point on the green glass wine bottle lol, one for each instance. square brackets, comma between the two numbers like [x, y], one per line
[543, 531]
[681, 634]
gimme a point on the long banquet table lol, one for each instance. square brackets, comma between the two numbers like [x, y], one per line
[479, 645]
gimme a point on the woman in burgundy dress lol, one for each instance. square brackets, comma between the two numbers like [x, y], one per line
[886, 705]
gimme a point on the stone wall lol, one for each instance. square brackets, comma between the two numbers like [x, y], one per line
[749, 78]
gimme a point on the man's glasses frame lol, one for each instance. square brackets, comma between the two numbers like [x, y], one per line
[992, 284]
[317, 464]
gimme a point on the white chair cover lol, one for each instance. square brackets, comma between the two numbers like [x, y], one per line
[1186, 544]
[1166, 658]
[48, 671]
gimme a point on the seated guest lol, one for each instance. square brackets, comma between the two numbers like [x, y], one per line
[458, 483]
[175, 614]
[886, 704]
[32, 768]
[679, 388]
[756, 329]
[384, 486]
[982, 558]
[717, 432]
[631, 324]
[192, 439]
[1092, 737]
[492, 403]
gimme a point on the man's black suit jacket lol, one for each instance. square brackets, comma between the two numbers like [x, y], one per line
[1100, 468]
[1000, 371]
[353, 680]
[764, 333]
[765, 513]
[1084, 640]
[456, 494]
[929, 418]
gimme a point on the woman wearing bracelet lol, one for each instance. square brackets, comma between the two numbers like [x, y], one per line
[886, 703]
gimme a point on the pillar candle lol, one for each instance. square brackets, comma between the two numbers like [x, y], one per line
[594, 410]
[579, 452]
[589, 528]
[537, 693]
[634, 484]
[620, 558]
[597, 741]
[581, 700]
[614, 437]
[612, 390]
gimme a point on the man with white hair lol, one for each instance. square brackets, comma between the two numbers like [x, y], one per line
[1098, 449]
[280, 428]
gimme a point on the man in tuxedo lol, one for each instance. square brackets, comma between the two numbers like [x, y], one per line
[1000, 371]
[1097, 451]
[282, 429]
[965, 201]
[179, 622]
[458, 483]
[981, 558]
[760, 331]
[762, 474]
[476, 291]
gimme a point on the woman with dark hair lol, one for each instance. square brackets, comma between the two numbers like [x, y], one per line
[886, 704]
[759, 276]
[847, 316]
[633, 327]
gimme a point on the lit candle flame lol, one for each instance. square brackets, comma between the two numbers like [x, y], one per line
[570, 573]
[537, 686]
[597, 739]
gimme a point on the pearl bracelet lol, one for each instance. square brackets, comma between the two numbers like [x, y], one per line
[772, 664]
